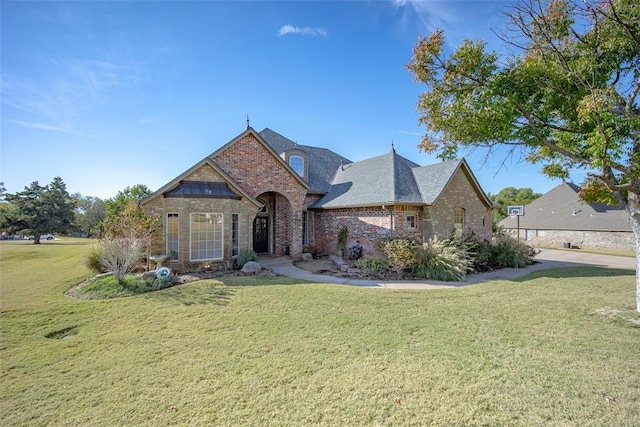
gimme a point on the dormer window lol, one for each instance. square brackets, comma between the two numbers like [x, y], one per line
[297, 164]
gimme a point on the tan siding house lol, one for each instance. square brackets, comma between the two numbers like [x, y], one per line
[560, 218]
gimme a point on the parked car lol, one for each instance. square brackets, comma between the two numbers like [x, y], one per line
[47, 237]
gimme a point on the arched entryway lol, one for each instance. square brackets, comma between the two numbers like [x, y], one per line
[273, 225]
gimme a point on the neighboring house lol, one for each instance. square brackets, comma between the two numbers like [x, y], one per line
[264, 192]
[560, 218]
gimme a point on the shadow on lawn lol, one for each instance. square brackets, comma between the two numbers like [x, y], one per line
[196, 293]
[217, 291]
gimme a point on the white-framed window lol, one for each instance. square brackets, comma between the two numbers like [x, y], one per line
[305, 228]
[235, 234]
[172, 236]
[297, 164]
[458, 221]
[411, 221]
[206, 232]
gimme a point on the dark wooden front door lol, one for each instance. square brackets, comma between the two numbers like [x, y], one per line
[261, 235]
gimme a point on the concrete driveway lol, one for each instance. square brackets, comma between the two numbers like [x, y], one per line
[547, 258]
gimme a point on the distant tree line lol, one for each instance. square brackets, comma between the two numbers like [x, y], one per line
[510, 196]
[39, 210]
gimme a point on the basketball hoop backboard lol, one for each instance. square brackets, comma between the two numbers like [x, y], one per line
[515, 211]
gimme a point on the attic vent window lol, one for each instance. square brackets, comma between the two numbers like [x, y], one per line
[297, 164]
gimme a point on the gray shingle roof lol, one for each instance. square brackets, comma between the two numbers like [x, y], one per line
[380, 180]
[562, 209]
[388, 179]
[322, 163]
[433, 179]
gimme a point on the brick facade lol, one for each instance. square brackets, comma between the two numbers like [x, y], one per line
[262, 174]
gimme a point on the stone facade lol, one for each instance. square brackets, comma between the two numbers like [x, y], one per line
[460, 193]
[161, 207]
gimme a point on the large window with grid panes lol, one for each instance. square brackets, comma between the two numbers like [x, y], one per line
[206, 236]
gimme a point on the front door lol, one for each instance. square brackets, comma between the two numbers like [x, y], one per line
[261, 235]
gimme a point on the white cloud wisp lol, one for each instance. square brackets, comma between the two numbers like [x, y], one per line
[305, 31]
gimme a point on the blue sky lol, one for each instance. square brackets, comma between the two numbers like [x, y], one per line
[112, 94]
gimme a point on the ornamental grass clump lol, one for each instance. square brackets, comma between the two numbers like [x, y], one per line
[92, 260]
[511, 253]
[120, 254]
[442, 260]
[245, 256]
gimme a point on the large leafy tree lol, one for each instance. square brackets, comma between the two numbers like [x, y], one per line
[6, 210]
[90, 212]
[511, 196]
[116, 205]
[38, 210]
[567, 96]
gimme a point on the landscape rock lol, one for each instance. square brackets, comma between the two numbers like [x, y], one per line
[251, 267]
[307, 257]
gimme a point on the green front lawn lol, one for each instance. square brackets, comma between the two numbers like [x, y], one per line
[555, 348]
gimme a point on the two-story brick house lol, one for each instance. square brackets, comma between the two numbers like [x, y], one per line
[264, 192]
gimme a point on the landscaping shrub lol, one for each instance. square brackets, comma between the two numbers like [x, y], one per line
[399, 251]
[110, 287]
[442, 260]
[504, 252]
[372, 267]
[245, 256]
[343, 236]
[481, 254]
[149, 285]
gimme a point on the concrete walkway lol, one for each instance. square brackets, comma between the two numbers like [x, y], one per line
[547, 258]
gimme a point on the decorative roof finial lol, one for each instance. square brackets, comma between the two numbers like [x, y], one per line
[393, 150]
[248, 121]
